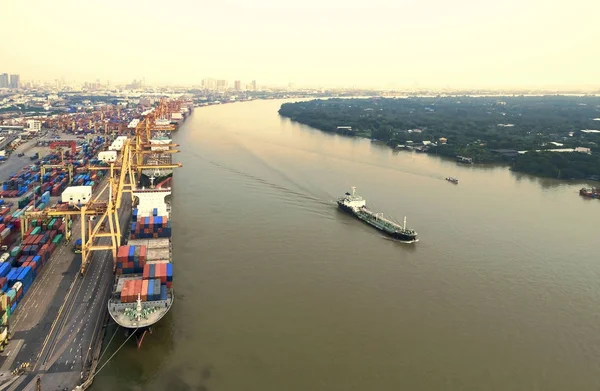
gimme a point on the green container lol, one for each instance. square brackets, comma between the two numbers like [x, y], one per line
[51, 223]
[36, 231]
[57, 239]
[15, 251]
[41, 206]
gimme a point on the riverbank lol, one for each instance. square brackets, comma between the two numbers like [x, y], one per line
[471, 130]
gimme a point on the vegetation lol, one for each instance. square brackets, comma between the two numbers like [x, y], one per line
[559, 165]
[486, 129]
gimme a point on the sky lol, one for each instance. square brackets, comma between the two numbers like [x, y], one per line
[329, 43]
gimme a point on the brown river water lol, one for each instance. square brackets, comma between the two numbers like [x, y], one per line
[278, 290]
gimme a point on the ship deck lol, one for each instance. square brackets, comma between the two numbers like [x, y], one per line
[153, 311]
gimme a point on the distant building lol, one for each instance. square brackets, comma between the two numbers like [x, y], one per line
[253, 85]
[34, 125]
[209, 84]
[583, 150]
[237, 85]
[15, 81]
[221, 84]
[4, 80]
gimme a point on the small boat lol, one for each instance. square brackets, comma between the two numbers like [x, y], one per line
[594, 192]
[453, 180]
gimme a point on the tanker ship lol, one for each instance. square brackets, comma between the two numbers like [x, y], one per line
[356, 206]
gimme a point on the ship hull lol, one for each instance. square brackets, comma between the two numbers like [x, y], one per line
[158, 246]
[396, 235]
[589, 193]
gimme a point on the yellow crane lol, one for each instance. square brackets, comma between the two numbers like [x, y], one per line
[121, 179]
[68, 166]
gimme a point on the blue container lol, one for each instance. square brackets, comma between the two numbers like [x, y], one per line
[4, 269]
[152, 271]
[169, 272]
[150, 293]
[163, 292]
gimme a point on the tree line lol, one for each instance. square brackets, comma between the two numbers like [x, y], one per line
[476, 127]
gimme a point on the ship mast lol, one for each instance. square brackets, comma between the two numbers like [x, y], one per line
[353, 190]
[138, 314]
[404, 227]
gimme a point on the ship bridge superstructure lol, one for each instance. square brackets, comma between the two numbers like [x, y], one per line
[353, 200]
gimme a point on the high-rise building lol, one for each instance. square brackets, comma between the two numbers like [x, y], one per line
[15, 81]
[237, 85]
[209, 84]
[4, 80]
[221, 84]
[253, 85]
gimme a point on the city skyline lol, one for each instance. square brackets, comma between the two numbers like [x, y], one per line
[390, 44]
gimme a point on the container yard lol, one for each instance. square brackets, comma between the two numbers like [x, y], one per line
[53, 290]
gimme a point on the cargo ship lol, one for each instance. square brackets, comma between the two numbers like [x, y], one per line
[452, 180]
[356, 206]
[594, 192]
[143, 288]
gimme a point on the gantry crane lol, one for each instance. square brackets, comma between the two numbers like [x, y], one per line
[121, 179]
[68, 166]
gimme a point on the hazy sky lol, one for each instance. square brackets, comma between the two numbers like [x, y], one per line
[438, 43]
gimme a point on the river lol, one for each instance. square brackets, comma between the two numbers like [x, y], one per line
[278, 290]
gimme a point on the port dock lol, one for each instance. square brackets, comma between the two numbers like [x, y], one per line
[55, 288]
[60, 331]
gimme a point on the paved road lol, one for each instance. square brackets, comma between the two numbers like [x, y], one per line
[14, 163]
[67, 348]
[57, 321]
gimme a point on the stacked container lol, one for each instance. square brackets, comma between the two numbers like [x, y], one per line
[131, 259]
[150, 227]
[148, 290]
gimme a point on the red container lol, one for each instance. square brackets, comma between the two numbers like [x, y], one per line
[144, 290]
[122, 254]
[124, 293]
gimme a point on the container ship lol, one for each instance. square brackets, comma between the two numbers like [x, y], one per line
[356, 206]
[143, 288]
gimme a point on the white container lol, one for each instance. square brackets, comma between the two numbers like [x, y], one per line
[77, 195]
[108, 156]
[4, 257]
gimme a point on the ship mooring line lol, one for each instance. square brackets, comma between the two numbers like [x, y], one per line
[117, 351]
[107, 345]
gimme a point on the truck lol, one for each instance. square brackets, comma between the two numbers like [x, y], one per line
[77, 246]
[35, 156]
